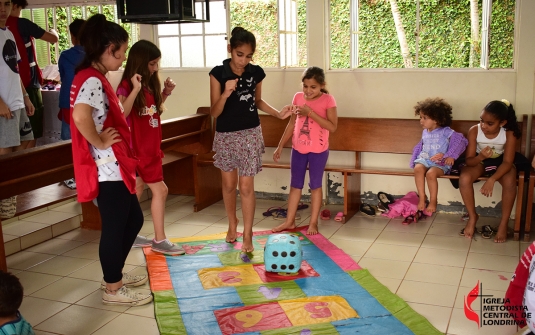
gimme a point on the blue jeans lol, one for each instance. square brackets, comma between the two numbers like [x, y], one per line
[65, 131]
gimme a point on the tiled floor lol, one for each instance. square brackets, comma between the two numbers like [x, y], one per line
[426, 263]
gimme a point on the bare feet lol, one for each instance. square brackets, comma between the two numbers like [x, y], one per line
[421, 204]
[432, 207]
[232, 232]
[284, 226]
[501, 235]
[470, 227]
[247, 245]
[312, 228]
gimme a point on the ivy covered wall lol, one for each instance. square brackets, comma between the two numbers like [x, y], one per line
[444, 35]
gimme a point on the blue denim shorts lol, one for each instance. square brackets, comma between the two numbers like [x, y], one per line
[429, 164]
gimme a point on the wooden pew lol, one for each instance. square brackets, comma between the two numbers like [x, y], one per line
[531, 177]
[358, 135]
[183, 139]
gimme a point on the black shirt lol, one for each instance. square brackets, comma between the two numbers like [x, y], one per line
[239, 112]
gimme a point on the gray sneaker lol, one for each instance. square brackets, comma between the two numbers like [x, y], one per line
[129, 280]
[142, 241]
[167, 247]
[126, 297]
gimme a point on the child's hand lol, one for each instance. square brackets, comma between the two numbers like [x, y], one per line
[287, 111]
[437, 158]
[108, 137]
[277, 154]
[449, 161]
[486, 152]
[136, 81]
[230, 86]
[487, 188]
[5, 112]
[304, 110]
[168, 86]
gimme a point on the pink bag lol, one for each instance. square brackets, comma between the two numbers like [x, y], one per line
[406, 206]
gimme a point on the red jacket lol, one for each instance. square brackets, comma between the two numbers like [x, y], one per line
[85, 170]
[24, 64]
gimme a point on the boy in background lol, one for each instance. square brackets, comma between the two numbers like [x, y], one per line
[11, 292]
[67, 63]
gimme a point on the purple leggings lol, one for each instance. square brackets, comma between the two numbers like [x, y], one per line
[316, 165]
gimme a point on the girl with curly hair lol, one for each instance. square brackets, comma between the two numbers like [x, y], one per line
[436, 152]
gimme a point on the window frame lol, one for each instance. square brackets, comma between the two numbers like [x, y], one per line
[485, 32]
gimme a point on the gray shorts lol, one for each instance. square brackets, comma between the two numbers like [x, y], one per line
[15, 130]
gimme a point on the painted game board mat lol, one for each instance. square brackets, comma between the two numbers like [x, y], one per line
[215, 289]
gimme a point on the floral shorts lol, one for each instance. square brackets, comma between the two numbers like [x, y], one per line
[240, 150]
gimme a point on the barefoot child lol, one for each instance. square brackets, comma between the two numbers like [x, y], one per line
[143, 110]
[235, 97]
[436, 152]
[315, 118]
[491, 152]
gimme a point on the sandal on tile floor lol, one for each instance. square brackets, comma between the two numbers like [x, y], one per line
[325, 214]
[271, 210]
[409, 219]
[382, 208]
[339, 217]
[461, 233]
[487, 231]
[282, 213]
[385, 198]
[465, 217]
[366, 209]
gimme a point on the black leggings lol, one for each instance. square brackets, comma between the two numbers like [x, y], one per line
[122, 219]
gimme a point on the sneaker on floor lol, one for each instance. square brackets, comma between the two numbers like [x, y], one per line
[129, 280]
[167, 247]
[126, 297]
[70, 183]
[142, 241]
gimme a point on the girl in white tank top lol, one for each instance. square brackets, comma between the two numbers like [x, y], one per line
[492, 152]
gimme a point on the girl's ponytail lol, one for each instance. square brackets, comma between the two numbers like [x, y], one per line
[503, 110]
[512, 124]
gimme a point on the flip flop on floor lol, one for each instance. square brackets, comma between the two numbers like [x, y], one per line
[487, 231]
[270, 211]
[283, 213]
[325, 214]
[385, 198]
[339, 217]
[366, 209]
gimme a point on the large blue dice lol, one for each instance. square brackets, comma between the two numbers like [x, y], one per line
[283, 253]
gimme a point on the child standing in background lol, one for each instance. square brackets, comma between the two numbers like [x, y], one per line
[235, 97]
[103, 162]
[492, 152]
[436, 152]
[143, 113]
[11, 294]
[67, 63]
[314, 119]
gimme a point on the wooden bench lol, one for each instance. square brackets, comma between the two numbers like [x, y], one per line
[183, 138]
[27, 170]
[363, 135]
[531, 178]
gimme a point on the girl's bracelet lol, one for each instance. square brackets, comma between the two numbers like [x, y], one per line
[163, 92]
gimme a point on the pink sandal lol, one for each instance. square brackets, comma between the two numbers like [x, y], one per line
[339, 217]
[325, 214]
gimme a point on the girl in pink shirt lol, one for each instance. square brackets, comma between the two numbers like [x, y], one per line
[315, 117]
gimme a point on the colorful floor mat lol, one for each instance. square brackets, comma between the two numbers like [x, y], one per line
[215, 289]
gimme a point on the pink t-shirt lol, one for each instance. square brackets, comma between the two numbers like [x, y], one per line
[308, 135]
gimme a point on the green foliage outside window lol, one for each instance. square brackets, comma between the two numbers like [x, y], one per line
[444, 34]
[260, 18]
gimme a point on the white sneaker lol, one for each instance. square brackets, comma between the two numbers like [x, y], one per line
[129, 280]
[126, 297]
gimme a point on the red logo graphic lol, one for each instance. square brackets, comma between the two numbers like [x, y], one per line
[468, 300]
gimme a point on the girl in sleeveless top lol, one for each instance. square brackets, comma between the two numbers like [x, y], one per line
[492, 152]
